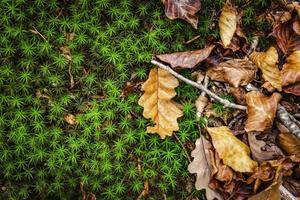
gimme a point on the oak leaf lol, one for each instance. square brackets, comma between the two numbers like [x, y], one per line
[236, 72]
[228, 23]
[158, 106]
[231, 150]
[183, 9]
[261, 110]
[289, 143]
[186, 59]
[291, 69]
[267, 62]
[201, 165]
[260, 150]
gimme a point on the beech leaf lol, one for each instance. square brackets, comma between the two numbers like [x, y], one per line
[260, 150]
[231, 150]
[201, 165]
[267, 62]
[261, 110]
[183, 9]
[227, 23]
[187, 59]
[289, 143]
[291, 69]
[236, 72]
[158, 106]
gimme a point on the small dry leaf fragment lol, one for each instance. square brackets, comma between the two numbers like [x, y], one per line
[201, 165]
[239, 94]
[158, 106]
[66, 52]
[289, 143]
[183, 9]
[231, 150]
[227, 23]
[187, 59]
[272, 192]
[267, 62]
[293, 89]
[200, 104]
[70, 119]
[260, 151]
[261, 110]
[236, 72]
[290, 72]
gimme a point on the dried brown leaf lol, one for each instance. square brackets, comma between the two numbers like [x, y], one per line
[293, 89]
[183, 9]
[158, 106]
[70, 119]
[231, 150]
[260, 150]
[290, 72]
[267, 62]
[261, 110]
[201, 165]
[236, 72]
[187, 59]
[200, 104]
[228, 23]
[289, 143]
[239, 94]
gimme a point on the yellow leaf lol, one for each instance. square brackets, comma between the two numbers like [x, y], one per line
[231, 150]
[291, 69]
[267, 62]
[158, 106]
[227, 24]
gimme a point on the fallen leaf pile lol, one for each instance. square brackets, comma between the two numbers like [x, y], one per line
[244, 154]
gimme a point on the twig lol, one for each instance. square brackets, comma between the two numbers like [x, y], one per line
[285, 194]
[72, 84]
[297, 115]
[205, 84]
[192, 40]
[35, 31]
[201, 87]
[184, 149]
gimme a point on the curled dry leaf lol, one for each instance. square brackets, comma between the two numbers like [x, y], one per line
[267, 62]
[70, 119]
[236, 72]
[293, 89]
[260, 150]
[183, 9]
[272, 192]
[227, 23]
[187, 59]
[290, 72]
[231, 150]
[201, 165]
[201, 103]
[261, 110]
[158, 106]
[289, 143]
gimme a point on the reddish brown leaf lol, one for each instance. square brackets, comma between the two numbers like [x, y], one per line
[261, 110]
[293, 89]
[287, 40]
[183, 9]
[289, 143]
[236, 72]
[187, 59]
[239, 94]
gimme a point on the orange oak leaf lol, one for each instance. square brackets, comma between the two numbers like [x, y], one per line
[261, 110]
[290, 72]
[231, 150]
[187, 59]
[267, 62]
[228, 23]
[183, 9]
[236, 72]
[158, 106]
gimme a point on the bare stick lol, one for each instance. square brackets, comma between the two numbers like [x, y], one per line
[193, 39]
[35, 31]
[201, 87]
[185, 151]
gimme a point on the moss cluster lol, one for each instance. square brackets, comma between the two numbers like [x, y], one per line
[108, 43]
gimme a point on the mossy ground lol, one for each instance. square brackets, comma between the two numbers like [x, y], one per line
[42, 156]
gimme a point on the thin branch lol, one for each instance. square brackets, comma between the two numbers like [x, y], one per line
[184, 149]
[201, 87]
